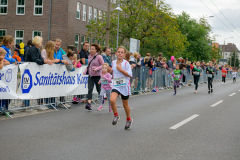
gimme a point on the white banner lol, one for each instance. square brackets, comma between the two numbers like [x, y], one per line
[43, 81]
[8, 82]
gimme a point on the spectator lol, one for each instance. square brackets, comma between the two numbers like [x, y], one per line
[8, 43]
[26, 48]
[146, 59]
[72, 62]
[84, 53]
[34, 55]
[2, 56]
[159, 61]
[107, 57]
[94, 71]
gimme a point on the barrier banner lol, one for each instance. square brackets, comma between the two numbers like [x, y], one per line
[43, 81]
[8, 82]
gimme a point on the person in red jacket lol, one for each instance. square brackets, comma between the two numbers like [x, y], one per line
[224, 74]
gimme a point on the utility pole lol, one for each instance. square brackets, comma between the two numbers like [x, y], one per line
[108, 24]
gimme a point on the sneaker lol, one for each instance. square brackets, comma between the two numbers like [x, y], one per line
[110, 109]
[115, 120]
[79, 100]
[211, 90]
[100, 108]
[74, 100]
[128, 124]
[88, 106]
[195, 92]
[175, 94]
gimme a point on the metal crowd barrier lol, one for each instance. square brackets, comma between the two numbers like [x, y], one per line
[142, 81]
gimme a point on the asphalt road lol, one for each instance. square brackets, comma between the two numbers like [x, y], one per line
[165, 127]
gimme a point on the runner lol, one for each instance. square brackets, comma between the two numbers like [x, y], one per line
[177, 75]
[106, 86]
[234, 74]
[197, 72]
[122, 72]
[210, 72]
[224, 73]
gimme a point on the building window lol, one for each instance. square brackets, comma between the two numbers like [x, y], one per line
[3, 6]
[95, 14]
[104, 15]
[20, 9]
[90, 14]
[77, 41]
[82, 41]
[89, 40]
[225, 54]
[100, 14]
[18, 36]
[84, 12]
[3, 32]
[36, 33]
[38, 7]
[78, 10]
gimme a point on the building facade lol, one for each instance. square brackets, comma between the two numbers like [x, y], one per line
[64, 19]
[228, 50]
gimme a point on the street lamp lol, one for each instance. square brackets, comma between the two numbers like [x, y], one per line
[118, 9]
[208, 17]
[224, 47]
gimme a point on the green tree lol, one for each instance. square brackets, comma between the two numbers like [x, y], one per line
[232, 61]
[153, 25]
[197, 34]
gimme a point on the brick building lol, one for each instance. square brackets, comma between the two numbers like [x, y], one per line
[65, 19]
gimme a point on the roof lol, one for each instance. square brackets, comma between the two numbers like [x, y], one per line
[229, 48]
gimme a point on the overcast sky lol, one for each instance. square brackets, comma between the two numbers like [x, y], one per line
[230, 8]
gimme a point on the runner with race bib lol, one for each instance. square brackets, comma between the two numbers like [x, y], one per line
[224, 74]
[122, 72]
[177, 75]
[210, 73]
[197, 72]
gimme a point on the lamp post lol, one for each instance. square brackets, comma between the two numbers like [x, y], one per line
[224, 47]
[118, 9]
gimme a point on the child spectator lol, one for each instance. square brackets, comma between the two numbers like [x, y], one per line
[72, 64]
[76, 99]
[2, 60]
[106, 87]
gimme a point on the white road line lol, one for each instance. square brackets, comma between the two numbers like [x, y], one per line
[232, 94]
[215, 104]
[184, 122]
[239, 90]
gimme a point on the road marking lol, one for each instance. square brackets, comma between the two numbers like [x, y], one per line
[232, 94]
[184, 122]
[215, 104]
[239, 90]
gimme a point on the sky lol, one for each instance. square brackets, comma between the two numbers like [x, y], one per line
[229, 8]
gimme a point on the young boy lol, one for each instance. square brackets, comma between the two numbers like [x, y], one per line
[234, 74]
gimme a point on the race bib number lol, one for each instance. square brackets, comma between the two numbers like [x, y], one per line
[177, 76]
[118, 82]
[104, 81]
[196, 73]
[224, 73]
[210, 75]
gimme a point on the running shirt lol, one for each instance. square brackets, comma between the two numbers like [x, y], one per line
[197, 70]
[234, 74]
[177, 74]
[117, 75]
[210, 71]
[224, 73]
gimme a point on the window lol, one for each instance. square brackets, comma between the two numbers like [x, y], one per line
[89, 40]
[20, 9]
[84, 12]
[94, 40]
[36, 33]
[78, 10]
[100, 14]
[3, 6]
[18, 36]
[3, 32]
[90, 14]
[82, 41]
[104, 15]
[77, 41]
[38, 7]
[95, 14]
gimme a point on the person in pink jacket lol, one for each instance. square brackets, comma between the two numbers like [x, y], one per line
[94, 70]
[105, 82]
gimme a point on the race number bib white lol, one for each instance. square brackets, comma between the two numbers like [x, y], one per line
[104, 81]
[177, 76]
[196, 73]
[224, 73]
[118, 82]
[210, 75]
